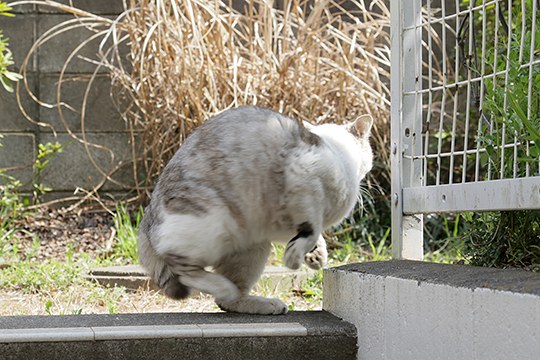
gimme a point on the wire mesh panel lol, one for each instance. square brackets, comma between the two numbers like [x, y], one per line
[465, 110]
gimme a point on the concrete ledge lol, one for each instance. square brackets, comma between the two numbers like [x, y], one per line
[150, 332]
[417, 310]
[297, 335]
[276, 278]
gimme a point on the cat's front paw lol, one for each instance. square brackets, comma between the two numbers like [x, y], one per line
[293, 256]
[317, 259]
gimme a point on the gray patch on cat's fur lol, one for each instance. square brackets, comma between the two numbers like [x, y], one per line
[234, 209]
[308, 137]
[180, 194]
[184, 204]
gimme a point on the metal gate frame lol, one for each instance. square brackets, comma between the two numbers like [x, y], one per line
[411, 197]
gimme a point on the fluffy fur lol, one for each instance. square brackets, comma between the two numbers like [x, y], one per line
[248, 177]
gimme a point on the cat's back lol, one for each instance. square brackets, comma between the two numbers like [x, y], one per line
[238, 142]
[242, 129]
[240, 149]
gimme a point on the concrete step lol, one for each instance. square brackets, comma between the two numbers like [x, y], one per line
[297, 335]
[420, 310]
[274, 278]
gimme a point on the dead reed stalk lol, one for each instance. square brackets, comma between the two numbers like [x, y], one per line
[173, 64]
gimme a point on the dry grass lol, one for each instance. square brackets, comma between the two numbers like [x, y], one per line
[88, 300]
[85, 297]
[96, 300]
[175, 63]
[194, 58]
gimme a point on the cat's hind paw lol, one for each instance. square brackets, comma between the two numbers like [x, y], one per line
[254, 305]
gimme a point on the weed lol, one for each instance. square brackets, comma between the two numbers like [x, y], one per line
[124, 248]
[510, 238]
[48, 307]
[31, 276]
[46, 153]
[380, 251]
[313, 287]
[106, 297]
[505, 239]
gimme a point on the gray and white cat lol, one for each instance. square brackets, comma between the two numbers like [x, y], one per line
[245, 178]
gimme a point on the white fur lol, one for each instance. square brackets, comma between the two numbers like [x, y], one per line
[199, 238]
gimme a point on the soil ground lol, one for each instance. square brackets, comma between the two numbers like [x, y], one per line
[52, 234]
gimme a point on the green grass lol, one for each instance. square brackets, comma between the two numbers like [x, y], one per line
[126, 223]
[31, 276]
[61, 282]
[24, 273]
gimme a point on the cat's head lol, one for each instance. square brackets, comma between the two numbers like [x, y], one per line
[361, 131]
[353, 139]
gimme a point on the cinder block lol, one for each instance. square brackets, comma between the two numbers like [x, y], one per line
[102, 7]
[23, 9]
[360, 299]
[504, 322]
[100, 113]
[20, 30]
[11, 117]
[17, 153]
[437, 311]
[73, 168]
[416, 311]
[54, 53]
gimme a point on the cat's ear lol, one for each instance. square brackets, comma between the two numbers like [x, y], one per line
[361, 127]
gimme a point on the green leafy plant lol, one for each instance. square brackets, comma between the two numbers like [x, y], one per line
[11, 208]
[124, 248]
[504, 239]
[510, 238]
[6, 57]
[513, 109]
[14, 201]
[46, 152]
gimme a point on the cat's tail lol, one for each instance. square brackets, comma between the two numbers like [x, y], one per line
[159, 271]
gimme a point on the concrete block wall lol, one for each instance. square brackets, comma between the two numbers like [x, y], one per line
[414, 310]
[103, 124]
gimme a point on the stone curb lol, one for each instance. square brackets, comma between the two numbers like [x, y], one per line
[133, 277]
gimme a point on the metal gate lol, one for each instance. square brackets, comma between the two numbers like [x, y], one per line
[465, 108]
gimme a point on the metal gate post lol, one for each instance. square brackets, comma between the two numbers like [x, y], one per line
[406, 123]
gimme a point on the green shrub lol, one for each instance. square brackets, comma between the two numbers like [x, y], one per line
[504, 239]
[509, 238]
